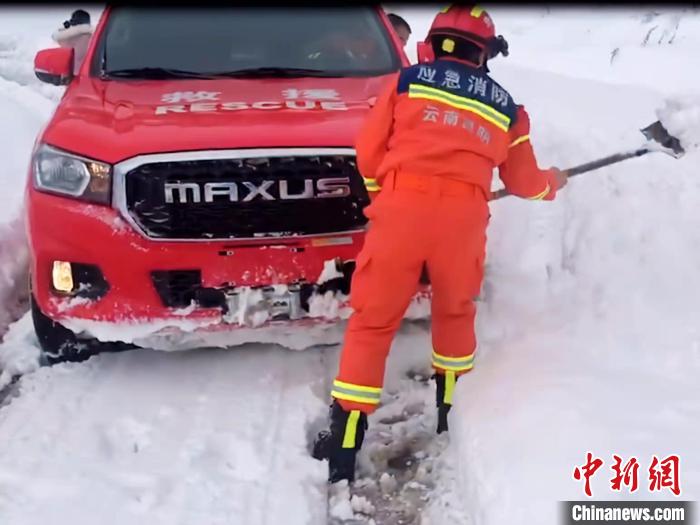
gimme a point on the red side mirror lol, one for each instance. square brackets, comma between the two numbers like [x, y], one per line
[55, 65]
[425, 53]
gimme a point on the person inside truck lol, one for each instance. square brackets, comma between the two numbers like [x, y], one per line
[403, 30]
[76, 33]
[349, 45]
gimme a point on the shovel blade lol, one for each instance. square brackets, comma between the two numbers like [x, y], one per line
[669, 144]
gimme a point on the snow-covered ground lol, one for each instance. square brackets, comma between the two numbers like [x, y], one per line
[588, 330]
[25, 105]
[208, 442]
[24, 112]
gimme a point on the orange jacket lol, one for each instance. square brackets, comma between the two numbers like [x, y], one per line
[449, 119]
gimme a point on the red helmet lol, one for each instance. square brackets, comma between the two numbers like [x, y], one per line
[470, 23]
[464, 21]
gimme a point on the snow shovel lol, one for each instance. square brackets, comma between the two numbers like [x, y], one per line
[658, 139]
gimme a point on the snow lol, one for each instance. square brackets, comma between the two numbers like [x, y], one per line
[26, 113]
[588, 331]
[588, 335]
[25, 104]
[248, 321]
[20, 353]
[327, 306]
[588, 340]
[330, 271]
[208, 442]
[681, 118]
[643, 47]
[362, 505]
[340, 506]
[14, 259]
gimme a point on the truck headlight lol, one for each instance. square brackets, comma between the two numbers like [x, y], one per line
[63, 173]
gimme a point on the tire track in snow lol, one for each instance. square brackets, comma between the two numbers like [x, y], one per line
[32, 399]
[164, 438]
[209, 435]
[203, 459]
[274, 439]
[19, 427]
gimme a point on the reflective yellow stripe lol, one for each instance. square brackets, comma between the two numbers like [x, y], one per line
[359, 388]
[519, 140]
[452, 359]
[350, 397]
[456, 364]
[496, 118]
[358, 393]
[540, 196]
[476, 11]
[351, 429]
[450, 380]
[455, 368]
[446, 9]
[371, 184]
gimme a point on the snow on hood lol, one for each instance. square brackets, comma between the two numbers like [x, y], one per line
[137, 117]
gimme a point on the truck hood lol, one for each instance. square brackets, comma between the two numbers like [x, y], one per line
[115, 120]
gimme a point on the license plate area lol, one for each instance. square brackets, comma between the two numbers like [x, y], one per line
[253, 306]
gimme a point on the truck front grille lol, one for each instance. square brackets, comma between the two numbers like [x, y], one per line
[254, 197]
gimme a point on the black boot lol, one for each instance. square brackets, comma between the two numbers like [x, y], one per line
[341, 444]
[443, 398]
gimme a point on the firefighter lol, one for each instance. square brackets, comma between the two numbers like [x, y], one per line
[426, 153]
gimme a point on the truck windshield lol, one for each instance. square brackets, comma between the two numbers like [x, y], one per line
[210, 42]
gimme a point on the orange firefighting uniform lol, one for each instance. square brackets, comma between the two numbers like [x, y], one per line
[427, 152]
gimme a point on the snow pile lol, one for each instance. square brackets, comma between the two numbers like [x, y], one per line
[17, 65]
[588, 337]
[23, 32]
[27, 111]
[654, 47]
[340, 502]
[330, 272]
[19, 353]
[681, 118]
[14, 260]
[329, 306]
[25, 104]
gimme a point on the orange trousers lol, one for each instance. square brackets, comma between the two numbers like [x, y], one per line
[414, 220]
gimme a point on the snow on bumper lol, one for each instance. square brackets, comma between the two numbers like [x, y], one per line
[324, 324]
[248, 286]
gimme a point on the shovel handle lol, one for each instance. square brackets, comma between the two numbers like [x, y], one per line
[606, 161]
[588, 166]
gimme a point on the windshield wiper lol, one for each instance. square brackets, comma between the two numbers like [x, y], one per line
[154, 73]
[255, 72]
[281, 72]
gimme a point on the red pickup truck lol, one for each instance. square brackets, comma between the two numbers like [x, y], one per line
[199, 173]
